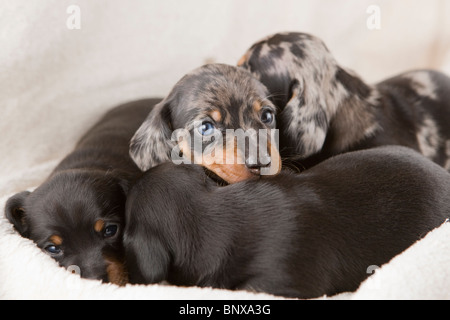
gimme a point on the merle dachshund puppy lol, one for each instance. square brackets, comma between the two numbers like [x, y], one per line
[219, 108]
[77, 215]
[327, 110]
[290, 235]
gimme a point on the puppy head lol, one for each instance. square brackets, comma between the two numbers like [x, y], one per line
[306, 83]
[76, 218]
[218, 116]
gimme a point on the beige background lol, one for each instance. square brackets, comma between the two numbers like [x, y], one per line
[55, 82]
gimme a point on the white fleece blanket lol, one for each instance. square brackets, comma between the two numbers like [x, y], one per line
[422, 272]
[56, 82]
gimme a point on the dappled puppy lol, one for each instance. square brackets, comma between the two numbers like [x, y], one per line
[290, 235]
[217, 116]
[326, 109]
[77, 215]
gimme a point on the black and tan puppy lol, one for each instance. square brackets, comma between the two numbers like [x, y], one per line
[291, 235]
[327, 110]
[77, 214]
[218, 108]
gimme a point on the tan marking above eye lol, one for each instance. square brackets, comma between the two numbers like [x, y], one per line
[216, 116]
[257, 106]
[99, 225]
[56, 240]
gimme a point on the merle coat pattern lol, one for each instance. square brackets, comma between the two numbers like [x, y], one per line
[224, 97]
[325, 109]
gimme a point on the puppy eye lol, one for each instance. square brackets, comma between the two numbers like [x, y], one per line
[53, 250]
[267, 117]
[110, 231]
[206, 129]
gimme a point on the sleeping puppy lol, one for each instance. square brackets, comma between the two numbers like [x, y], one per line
[328, 110]
[291, 235]
[77, 215]
[217, 116]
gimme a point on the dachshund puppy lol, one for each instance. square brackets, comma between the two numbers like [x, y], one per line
[77, 214]
[218, 116]
[327, 110]
[291, 235]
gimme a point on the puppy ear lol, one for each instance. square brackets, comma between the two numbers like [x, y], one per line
[123, 179]
[146, 257]
[305, 120]
[16, 214]
[125, 185]
[152, 145]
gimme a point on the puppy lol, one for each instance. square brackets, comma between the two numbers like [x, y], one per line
[226, 121]
[77, 215]
[327, 110]
[291, 235]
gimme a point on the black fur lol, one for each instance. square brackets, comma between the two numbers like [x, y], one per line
[291, 235]
[89, 185]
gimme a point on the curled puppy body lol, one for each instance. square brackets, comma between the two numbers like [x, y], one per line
[209, 108]
[77, 214]
[290, 235]
[328, 110]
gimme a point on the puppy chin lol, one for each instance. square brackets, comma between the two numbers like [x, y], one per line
[231, 173]
[239, 172]
[116, 271]
[236, 171]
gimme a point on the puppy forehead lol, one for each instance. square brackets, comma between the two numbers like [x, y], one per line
[218, 88]
[284, 51]
[297, 43]
[222, 81]
[65, 207]
[282, 37]
[63, 218]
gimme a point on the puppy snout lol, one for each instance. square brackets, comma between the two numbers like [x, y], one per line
[255, 165]
[257, 155]
[88, 270]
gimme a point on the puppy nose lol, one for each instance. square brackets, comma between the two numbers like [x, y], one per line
[255, 166]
